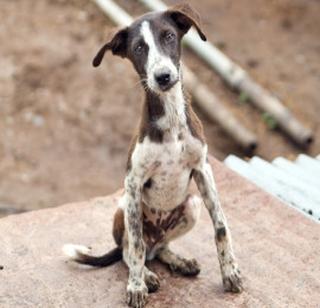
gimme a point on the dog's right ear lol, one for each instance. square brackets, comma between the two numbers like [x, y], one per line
[118, 46]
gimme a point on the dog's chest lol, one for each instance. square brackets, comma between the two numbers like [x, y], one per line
[180, 153]
[174, 159]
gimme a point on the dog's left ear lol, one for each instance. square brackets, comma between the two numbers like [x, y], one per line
[184, 16]
[118, 46]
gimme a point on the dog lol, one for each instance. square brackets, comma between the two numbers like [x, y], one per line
[168, 151]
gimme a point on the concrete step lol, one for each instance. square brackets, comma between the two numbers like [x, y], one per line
[295, 183]
[297, 171]
[309, 163]
[277, 248]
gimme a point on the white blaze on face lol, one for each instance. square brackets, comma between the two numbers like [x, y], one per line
[156, 62]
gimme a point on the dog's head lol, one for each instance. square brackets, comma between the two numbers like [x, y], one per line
[153, 44]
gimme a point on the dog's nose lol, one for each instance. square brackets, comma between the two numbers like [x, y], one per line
[163, 79]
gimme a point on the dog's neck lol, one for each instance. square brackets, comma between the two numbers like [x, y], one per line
[166, 111]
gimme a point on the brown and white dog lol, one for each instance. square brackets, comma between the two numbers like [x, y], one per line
[166, 153]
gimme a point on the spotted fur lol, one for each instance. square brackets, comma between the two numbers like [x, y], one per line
[168, 150]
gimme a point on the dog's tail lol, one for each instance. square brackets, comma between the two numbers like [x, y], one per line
[81, 254]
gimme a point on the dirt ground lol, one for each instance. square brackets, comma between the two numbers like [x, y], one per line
[65, 126]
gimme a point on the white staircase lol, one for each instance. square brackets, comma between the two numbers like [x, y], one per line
[296, 183]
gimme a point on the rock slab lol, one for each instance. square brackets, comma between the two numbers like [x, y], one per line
[278, 250]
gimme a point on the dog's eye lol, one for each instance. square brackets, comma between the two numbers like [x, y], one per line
[169, 37]
[138, 48]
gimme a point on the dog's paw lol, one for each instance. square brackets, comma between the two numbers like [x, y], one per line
[137, 295]
[232, 281]
[152, 281]
[186, 267]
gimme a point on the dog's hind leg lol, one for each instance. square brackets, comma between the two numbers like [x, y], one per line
[150, 278]
[187, 267]
[175, 262]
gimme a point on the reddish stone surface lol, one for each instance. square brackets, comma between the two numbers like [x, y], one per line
[277, 247]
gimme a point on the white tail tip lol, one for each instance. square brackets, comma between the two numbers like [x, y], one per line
[75, 251]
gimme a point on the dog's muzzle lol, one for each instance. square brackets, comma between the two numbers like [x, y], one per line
[165, 81]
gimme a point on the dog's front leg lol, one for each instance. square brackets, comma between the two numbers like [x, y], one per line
[137, 291]
[229, 268]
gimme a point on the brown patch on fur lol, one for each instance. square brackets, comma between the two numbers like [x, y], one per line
[131, 149]
[185, 17]
[118, 226]
[148, 184]
[155, 233]
[194, 124]
[221, 234]
[118, 46]
[153, 109]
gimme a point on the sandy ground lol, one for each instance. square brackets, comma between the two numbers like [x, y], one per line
[65, 126]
